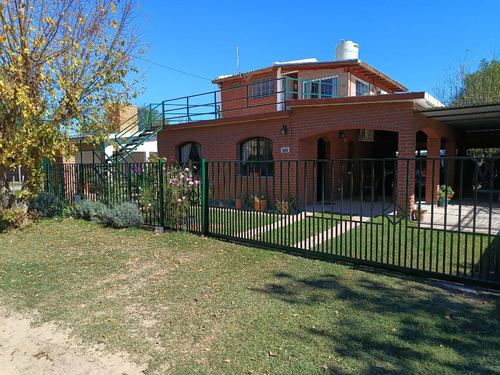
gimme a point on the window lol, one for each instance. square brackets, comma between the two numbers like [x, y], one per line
[326, 87]
[257, 155]
[190, 152]
[362, 88]
[262, 87]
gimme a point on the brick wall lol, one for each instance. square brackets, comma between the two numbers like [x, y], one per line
[239, 101]
[120, 118]
[220, 141]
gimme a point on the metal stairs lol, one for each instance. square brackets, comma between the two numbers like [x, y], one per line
[140, 128]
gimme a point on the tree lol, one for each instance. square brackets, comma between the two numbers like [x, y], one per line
[462, 86]
[62, 64]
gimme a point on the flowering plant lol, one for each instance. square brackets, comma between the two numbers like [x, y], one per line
[180, 191]
[445, 192]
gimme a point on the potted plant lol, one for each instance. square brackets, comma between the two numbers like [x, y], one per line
[419, 213]
[282, 206]
[445, 193]
[260, 203]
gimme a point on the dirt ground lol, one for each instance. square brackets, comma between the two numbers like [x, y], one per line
[48, 349]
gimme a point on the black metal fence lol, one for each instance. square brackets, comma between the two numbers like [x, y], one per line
[438, 217]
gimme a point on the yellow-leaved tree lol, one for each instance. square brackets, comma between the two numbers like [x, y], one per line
[63, 63]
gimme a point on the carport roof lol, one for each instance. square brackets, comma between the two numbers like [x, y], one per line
[474, 118]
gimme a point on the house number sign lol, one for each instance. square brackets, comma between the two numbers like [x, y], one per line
[285, 150]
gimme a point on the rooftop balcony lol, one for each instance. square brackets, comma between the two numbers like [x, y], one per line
[266, 96]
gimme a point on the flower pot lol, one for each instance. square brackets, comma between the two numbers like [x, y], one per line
[239, 204]
[442, 202]
[260, 205]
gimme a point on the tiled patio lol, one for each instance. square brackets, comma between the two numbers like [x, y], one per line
[466, 217]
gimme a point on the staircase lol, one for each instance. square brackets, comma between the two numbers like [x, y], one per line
[141, 128]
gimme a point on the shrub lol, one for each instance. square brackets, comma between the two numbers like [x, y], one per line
[46, 204]
[123, 215]
[13, 219]
[69, 210]
[90, 210]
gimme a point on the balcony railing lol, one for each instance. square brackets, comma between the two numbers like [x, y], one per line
[243, 100]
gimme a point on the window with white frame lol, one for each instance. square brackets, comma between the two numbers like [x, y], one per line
[325, 87]
[262, 87]
[362, 88]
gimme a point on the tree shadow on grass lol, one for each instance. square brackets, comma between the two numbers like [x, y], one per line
[387, 324]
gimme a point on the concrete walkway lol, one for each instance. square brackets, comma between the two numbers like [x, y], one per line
[339, 229]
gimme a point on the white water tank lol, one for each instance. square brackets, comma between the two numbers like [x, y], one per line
[346, 50]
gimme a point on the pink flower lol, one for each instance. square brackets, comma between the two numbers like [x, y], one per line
[179, 200]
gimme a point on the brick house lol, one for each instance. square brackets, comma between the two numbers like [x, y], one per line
[312, 110]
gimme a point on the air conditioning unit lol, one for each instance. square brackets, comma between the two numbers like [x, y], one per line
[366, 135]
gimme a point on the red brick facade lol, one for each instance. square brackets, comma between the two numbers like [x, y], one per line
[306, 123]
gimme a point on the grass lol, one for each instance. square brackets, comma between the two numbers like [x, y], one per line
[230, 222]
[403, 243]
[294, 233]
[188, 304]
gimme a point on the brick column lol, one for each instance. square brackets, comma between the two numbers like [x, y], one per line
[432, 170]
[405, 183]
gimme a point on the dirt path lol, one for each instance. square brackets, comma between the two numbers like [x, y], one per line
[47, 349]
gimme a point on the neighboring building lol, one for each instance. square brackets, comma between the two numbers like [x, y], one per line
[125, 123]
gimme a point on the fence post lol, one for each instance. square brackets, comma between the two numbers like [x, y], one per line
[160, 193]
[204, 198]
[47, 177]
[129, 181]
[81, 179]
[61, 199]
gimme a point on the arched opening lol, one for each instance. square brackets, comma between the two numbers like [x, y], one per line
[190, 152]
[259, 150]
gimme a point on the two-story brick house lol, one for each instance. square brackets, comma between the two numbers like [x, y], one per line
[307, 109]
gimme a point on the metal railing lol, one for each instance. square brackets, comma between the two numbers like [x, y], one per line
[378, 212]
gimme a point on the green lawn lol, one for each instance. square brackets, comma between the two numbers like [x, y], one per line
[230, 222]
[293, 233]
[403, 243]
[187, 304]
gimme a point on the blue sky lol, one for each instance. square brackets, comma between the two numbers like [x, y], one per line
[412, 42]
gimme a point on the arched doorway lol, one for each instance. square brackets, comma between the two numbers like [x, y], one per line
[320, 169]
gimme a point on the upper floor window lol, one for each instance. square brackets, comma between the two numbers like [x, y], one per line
[190, 152]
[362, 88]
[262, 87]
[257, 155]
[326, 87]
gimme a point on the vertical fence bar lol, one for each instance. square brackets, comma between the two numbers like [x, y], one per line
[204, 198]
[161, 195]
